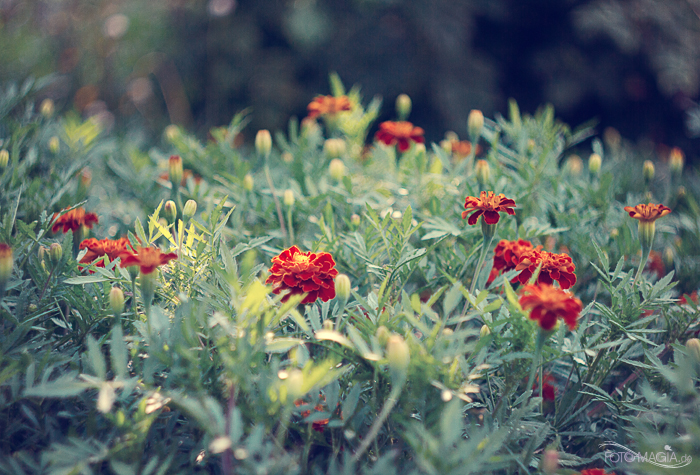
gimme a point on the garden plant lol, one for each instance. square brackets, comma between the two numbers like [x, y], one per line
[328, 299]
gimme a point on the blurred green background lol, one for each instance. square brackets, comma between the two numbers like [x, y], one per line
[140, 65]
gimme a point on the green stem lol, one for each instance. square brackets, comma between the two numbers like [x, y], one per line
[642, 263]
[539, 343]
[280, 217]
[290, 226]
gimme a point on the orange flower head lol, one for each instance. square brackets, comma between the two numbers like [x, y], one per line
[73, 220]
[557, 267]
[506, 256]
[328, 106]
[147, 258]
[402, 133]
[462, 148]
[547, 304]
[303, 273]
[647, 213]
[548, 390]
[319, 425]
[489, 204]
[97, 249]
[596, 471]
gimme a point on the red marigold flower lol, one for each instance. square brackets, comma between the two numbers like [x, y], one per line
[557, 267]
[693, 297]
[595, 471]
[547, 304]
[655, 264]
[489, 204]
[403, 133]
[506, 255]
[647, 213]
[328, 105]
[147, 258]
[462, 148]
[303, 273]
[548, 390]
[73, 220]
[97, 249]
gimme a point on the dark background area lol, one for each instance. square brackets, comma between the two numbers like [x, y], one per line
[632, 64]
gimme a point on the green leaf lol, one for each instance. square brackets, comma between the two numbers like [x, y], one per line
[86, 279]
[118, 353]
[96, 359]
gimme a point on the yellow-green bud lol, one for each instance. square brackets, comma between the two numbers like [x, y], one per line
[398, 354]
[342, 286]
[693, 347]
[435, 166]
[328, 324]
[170, 211]
[614, 233]
[263, 143]
[172, 132]
[446, 146]
[287, 157]
[54, 144]
[574, 165]
[85, 179]
[6, 263]
[189, 209]
[403, 106]
[355, 219]
[248, 182]
[288, 198]
[531, 145]
[475, 125]
[334, 148]
[43, 252]
[295, 383]
[483, 172]
[447, 332]
[648, 171]
[382, 335]
[116, 300]
[550, 461]
[4, 158]
[46, 108]
[594, 163]
[612, 138]
[55, 253]
[175, 170]
[485, 331]
[646, 231]
[676, 160]
[336, 169]
[668, 256]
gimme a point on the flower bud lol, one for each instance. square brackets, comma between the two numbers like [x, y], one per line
[46, 108]
[485, 331]
[189, 209]
[342, 287]
[693, 347]
[55, 253]
[5, 263]
[328, 324]
[85, 179]
[531, 146]
[334, 148]
[288, 198]
[574, 165]
[550, 461]
[116, 300]
[336, 169]
[382, 335]
[175, 170]
[287, 157]
[668, 256]
[4, 158]
[43, 253]
[295, 383]
[594, 163]
[54, 144]
[398, 354]
[648, 171]
[614, 233]
[403, 106]
[248, 182]
[263, 143]
[676, 161]
[483, 172]
[170, 211]
[475, 125]
[172, 132]
[446, 146]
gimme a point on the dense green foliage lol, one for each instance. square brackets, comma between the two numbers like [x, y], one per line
[220, 376]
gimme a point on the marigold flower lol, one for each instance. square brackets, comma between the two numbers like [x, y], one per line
[489, 204]
[303, 273]
[548, 390]
[506, 256]
[557, 267]
[147, 258]
[647, 213]
[547, 304]
[98, 248]
[6, 263]
[402, 133]
[595, 471]
[73, 220]
[319, 425]
[462, 148]
[328, 106]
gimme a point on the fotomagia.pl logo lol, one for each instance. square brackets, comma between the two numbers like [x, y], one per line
[616, 453]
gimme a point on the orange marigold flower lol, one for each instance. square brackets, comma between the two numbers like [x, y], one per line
[303, 273]
[489, 204]
[548, 390]
[402, 133]
[693, 297]
[73, 220]
[647, 213]
[328, 105]
[97, 249]
[547, 304]
[557, 267]
[595, 471]
[319, 425]
[506, 254]
[147, 258]
[462, 148]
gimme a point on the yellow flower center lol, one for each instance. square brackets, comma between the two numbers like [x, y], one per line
[300, 258]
